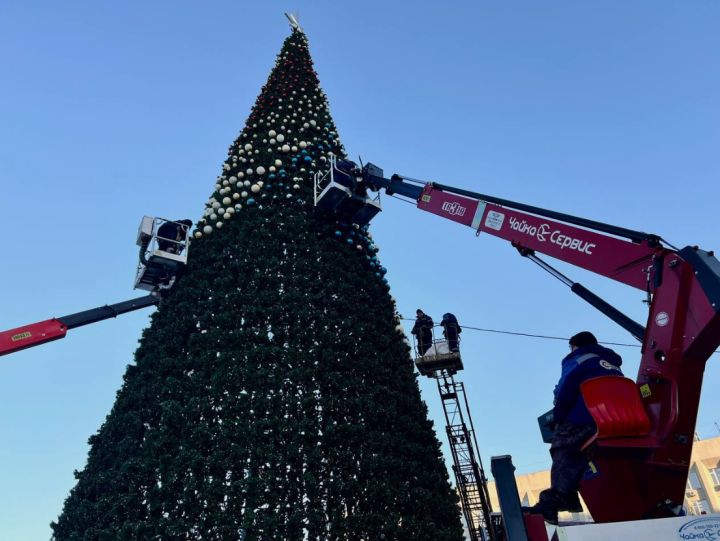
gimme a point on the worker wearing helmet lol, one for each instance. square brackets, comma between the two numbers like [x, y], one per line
[573, 424]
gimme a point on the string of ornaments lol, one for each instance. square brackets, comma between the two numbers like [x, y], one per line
[288, 136]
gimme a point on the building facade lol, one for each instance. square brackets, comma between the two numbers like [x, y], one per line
[702, 494]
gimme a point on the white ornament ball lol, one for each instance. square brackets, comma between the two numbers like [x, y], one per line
[232, 179]
[207, 229]
[306, 125]
[248, 147]
[278, 163]
[219, 225]
[272, 133]
[260, 183]
[226, 216]
[272, 169]
[313, 123]
[273, 141]
[260, 170]
[294, 148]
[226, 201]
[285, 148]
[246, 183]
[198, 234]
[244, 195]
[249, 171]
[280, 138]
[296, 186]
[255, 188]
[303, 144]
[236, 195]
[216, 205]
[241, 175]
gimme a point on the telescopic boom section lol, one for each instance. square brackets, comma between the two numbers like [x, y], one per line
[534, 228]
[636, 476]
[56, 328]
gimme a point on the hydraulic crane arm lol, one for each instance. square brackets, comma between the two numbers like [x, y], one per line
[533, 228]
[56, 328]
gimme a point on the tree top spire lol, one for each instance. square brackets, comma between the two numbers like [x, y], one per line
[294, 22]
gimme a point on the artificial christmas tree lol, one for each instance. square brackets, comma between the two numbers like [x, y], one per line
[272, 396]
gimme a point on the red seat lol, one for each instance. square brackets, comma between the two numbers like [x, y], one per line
[615, 405]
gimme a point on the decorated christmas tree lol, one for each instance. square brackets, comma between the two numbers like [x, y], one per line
[273, 395]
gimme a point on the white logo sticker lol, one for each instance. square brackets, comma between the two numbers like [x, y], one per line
[662, 319]
[494, 220]
[608, 366]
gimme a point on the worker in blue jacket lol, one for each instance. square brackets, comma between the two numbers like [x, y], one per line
[573, 424]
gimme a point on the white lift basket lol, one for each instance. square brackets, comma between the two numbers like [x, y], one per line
[162, 258]
[334, 195]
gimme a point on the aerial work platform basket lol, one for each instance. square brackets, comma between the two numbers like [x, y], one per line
[437, 356]
[340, 191]
[164, 246]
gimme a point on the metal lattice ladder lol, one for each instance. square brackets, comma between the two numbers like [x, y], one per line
[469, 475]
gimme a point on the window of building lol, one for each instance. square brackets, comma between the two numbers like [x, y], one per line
[694, 481]
[701, 507]
[715, 475]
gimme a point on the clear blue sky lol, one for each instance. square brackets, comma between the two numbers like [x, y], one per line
[108, 111]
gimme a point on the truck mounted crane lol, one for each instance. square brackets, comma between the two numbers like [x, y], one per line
[641, 453]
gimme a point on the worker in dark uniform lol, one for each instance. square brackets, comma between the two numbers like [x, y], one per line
[423, 331]
[573, 424]
[345, 173]
[451, 330]
[171, 236]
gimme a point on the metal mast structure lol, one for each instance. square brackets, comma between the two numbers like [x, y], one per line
[441, 363]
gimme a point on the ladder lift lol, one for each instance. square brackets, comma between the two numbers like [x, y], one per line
[441, 364]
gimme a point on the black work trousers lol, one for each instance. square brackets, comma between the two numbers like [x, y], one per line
[568, 463]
